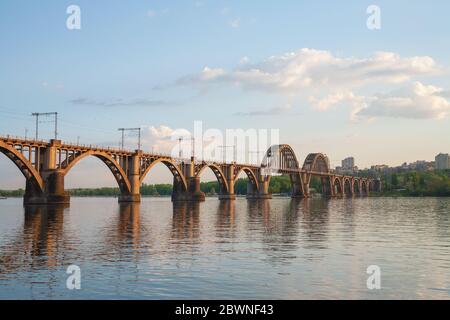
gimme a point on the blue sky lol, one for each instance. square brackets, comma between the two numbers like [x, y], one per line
[142, 63]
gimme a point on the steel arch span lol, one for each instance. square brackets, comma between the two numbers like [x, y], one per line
[281, 159]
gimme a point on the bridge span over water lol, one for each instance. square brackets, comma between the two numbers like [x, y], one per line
[45, 164]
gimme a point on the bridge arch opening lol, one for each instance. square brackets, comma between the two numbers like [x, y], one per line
[245, 181]
[16, 158]
[212, 179]
[348, 187]
[337, 186]
[95, 171]
[320, 185]
[370, 186]
[159, 177]
[364, 187]
[11, 177]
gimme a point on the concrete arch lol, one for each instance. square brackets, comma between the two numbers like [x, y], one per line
[110, 162]
[219, 176]
[356, 186]
[364, 187]
[348, 187]
[251, 176]
[337, 186]
[174, 169]
[24, 165]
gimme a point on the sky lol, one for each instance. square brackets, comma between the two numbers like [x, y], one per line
[311, 69]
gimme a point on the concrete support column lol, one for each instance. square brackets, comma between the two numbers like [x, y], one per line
[54, 188]
[377, 185]
[306, 178]
[178, 192]
[262, 192]
[53, 177]
[229, 176]
[327, 186]
[193, 192]
[297, 186]
[360, 192]
[352, 192]
[134, 166]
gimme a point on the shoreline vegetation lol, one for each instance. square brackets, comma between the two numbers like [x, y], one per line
[403, 184]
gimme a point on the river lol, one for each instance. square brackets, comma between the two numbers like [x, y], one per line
[273, 249]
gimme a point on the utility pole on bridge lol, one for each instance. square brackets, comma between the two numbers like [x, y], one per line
[180, 153]
[38, 114]
[224, 152]
[131, 129]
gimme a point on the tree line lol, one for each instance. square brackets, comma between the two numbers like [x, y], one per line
[411, 183]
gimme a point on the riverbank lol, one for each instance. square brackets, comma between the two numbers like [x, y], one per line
[402, 184]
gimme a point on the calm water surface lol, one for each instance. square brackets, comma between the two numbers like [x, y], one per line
[276, 249]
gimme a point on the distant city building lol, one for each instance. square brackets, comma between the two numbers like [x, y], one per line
[348, 163]
[442, 161]
[348, 166]
[379, 167]
[420, 165]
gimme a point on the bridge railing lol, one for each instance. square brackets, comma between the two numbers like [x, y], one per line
[22, 139]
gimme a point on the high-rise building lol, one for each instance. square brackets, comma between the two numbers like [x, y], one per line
[348, 163]
[442, 161]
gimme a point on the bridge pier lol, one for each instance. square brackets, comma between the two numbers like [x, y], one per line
[377, 185]
[134, 178]
[54, 192]
[53, 177]
[262, 192]
[327, 187]
[229, 176]
[193, 192]
[297, 190]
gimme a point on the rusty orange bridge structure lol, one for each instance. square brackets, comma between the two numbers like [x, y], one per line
[45, 164]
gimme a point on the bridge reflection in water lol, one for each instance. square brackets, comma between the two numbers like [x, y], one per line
[283, 248]
[45, 241]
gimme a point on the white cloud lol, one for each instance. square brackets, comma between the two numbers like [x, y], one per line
[318, 70]
[268, 112]
[161, 139]
[327, 102]
[326, 80]
[119, 102]
[417, 101]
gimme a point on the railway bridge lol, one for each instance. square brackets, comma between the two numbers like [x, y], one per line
[45, 164]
